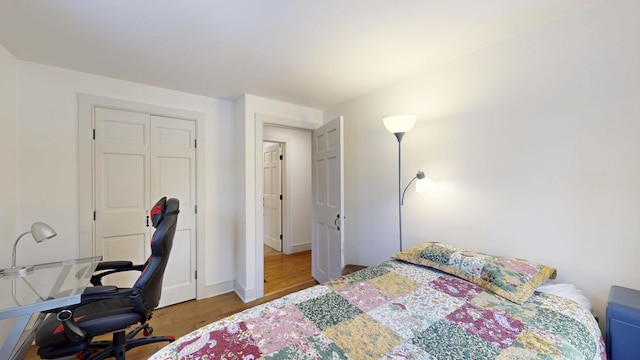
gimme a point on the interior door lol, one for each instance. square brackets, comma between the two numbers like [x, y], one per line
[122, 198]
[327, 184]
[173, 174]
[272, 207]
[138, 159]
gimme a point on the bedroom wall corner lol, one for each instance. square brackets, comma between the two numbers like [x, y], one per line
[8, 151]
[8, 159]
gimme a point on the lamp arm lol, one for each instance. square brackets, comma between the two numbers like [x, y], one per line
[405, 189]
[15, 245]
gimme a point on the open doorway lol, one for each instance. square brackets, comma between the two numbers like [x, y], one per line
[294, 257]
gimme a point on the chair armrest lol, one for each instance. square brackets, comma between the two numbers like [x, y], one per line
[113, 265]
[94, 290]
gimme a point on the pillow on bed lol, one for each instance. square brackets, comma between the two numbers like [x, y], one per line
[513, 279]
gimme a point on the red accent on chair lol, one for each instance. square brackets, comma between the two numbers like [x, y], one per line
[60, 328]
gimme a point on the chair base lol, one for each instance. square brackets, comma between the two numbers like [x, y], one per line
[117, 347]
[121, 344]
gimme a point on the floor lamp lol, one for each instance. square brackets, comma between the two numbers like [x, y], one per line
[399, 125]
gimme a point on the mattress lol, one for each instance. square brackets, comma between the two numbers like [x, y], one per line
[398, 310]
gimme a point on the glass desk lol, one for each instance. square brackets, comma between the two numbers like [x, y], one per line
[47, 287]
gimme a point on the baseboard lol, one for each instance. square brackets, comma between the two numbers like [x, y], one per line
[299, 248]
[219, 288]
[245, 295]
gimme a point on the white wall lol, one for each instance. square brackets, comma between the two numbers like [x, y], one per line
[534, 147]
[297, 182]
[48, 161]
[8, 163]
[8, 156]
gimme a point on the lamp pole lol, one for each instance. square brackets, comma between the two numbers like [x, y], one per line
[398, 125]
[399, 136]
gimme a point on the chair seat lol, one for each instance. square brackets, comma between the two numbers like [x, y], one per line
[95, 318]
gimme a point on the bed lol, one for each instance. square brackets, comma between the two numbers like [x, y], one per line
[433, 301]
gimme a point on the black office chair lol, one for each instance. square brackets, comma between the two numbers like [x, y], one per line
[109, 309]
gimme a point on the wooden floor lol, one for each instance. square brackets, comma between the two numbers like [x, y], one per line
[284, 274]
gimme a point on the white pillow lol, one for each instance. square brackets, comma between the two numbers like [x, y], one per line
[568, 291]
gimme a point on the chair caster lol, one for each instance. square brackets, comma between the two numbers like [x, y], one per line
[85, 354]
[147, 331]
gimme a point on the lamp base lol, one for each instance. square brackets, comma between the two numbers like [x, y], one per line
[16, 272]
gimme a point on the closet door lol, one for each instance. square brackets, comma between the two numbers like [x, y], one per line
[122, 194]
[173, 174]
[138, 159]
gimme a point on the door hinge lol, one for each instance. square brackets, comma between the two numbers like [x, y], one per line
[280, 157]
[280, 236]
[94, 134]
[195, 209]
[94, 215]
[195, 274]
[195, 143]
[280, 197]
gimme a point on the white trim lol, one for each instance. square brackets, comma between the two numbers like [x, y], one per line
[244, 294]
[300, 247]
[219, 288]
[86, 106]
[260, 121]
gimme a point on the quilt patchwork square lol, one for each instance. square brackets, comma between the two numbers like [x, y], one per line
[363, 338]
[456, 287]
[446, 341]
[316, 347]
[496, 328]
[230, 342]
[416, 311]
[277, 329]
[556, 324]
[328, 310]
[394, 284]
[365, 296]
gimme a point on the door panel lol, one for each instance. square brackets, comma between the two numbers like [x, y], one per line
[272, 208]
[173, 174]
[327, 257]
[134, 246]
[121, 188]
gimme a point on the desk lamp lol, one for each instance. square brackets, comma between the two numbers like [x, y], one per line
[40, 232]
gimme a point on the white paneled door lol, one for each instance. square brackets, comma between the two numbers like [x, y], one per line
[328, 212]
[272, 201]
[140, 158]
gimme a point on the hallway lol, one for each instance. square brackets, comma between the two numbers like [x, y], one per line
[285, 271]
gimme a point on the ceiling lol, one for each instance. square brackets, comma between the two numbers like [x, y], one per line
[313, 53]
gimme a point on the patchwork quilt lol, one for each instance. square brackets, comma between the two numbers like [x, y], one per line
[397, 310]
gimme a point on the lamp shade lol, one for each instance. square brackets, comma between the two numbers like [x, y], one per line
[423, 184]
[399, 123]
[41, 231]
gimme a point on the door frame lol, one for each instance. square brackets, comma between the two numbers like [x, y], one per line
[260, 121]
[86, 105]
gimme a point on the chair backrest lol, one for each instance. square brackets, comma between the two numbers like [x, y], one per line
[164, 217]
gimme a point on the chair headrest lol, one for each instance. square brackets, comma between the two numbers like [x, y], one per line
[157, 212]
[163, 208]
